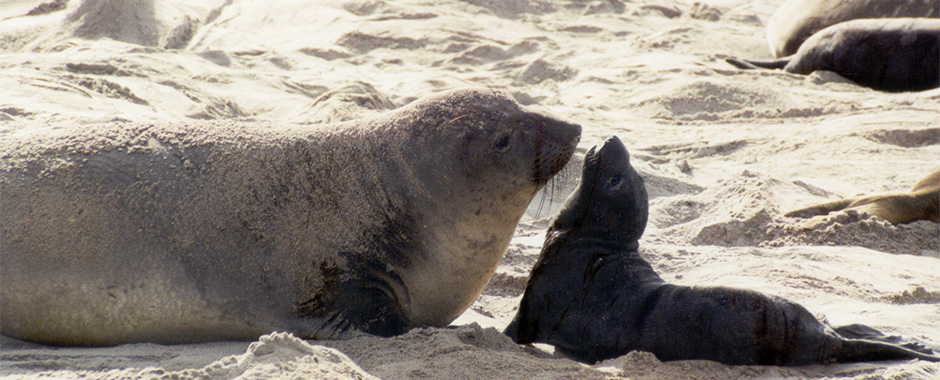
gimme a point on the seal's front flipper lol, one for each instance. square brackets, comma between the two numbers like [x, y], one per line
[513, 331]
[369, 301]
[747, 64]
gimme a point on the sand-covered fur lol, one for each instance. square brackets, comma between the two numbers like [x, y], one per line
[189, 232]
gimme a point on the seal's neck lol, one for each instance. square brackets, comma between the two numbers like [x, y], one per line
[584, 238]
[598, 248]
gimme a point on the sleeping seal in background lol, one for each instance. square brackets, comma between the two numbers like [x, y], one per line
[894, 55]
[220, 231]
[797, 20]
[593, 296]
[922, 203]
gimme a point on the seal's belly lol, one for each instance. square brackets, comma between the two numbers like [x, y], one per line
[109, 310]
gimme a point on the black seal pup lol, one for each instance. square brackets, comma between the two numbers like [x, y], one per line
[593, 296]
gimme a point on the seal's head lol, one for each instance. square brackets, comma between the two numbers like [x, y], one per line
[476, 160]
[611, 202]
[493, 139]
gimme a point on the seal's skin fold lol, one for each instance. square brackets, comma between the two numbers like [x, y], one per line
[593, 296]
[892, 55]
[797, 20]
[216, 231]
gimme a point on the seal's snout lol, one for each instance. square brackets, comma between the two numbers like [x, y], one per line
[557, 145]
[612, 142]
[613, 149]
[609, 154]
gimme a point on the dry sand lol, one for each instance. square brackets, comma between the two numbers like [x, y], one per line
[724, 153]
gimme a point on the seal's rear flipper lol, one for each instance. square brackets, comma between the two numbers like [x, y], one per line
[820, 209]
[861, 350]
[752, 64]
[858, 331]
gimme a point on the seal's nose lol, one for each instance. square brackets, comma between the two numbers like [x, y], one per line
[571, 131]
[562, 131]
[613, 149]
[612, 142]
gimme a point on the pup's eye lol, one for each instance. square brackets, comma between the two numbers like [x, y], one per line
[614, 182]
[502, 144]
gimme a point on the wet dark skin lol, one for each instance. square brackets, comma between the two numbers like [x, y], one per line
[593, 296]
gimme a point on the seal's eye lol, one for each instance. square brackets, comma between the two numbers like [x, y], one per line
[614, 182]
[502, 144]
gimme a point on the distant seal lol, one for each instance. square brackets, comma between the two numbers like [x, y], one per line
[199, 232]
[593, 296]
[922, 203]
[901, 54]
[797, 20]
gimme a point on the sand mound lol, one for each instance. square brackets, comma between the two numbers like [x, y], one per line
[461, 352]
[275, 355]
[745, 211]
[129, 21]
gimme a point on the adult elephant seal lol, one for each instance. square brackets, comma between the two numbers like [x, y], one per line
[201, 232]
[797, 20]
[921, 203]
[592, 296]
[900, 54]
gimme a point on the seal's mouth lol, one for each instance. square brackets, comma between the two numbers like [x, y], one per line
[591, 166]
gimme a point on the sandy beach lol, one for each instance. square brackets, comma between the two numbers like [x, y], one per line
[724, 154]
